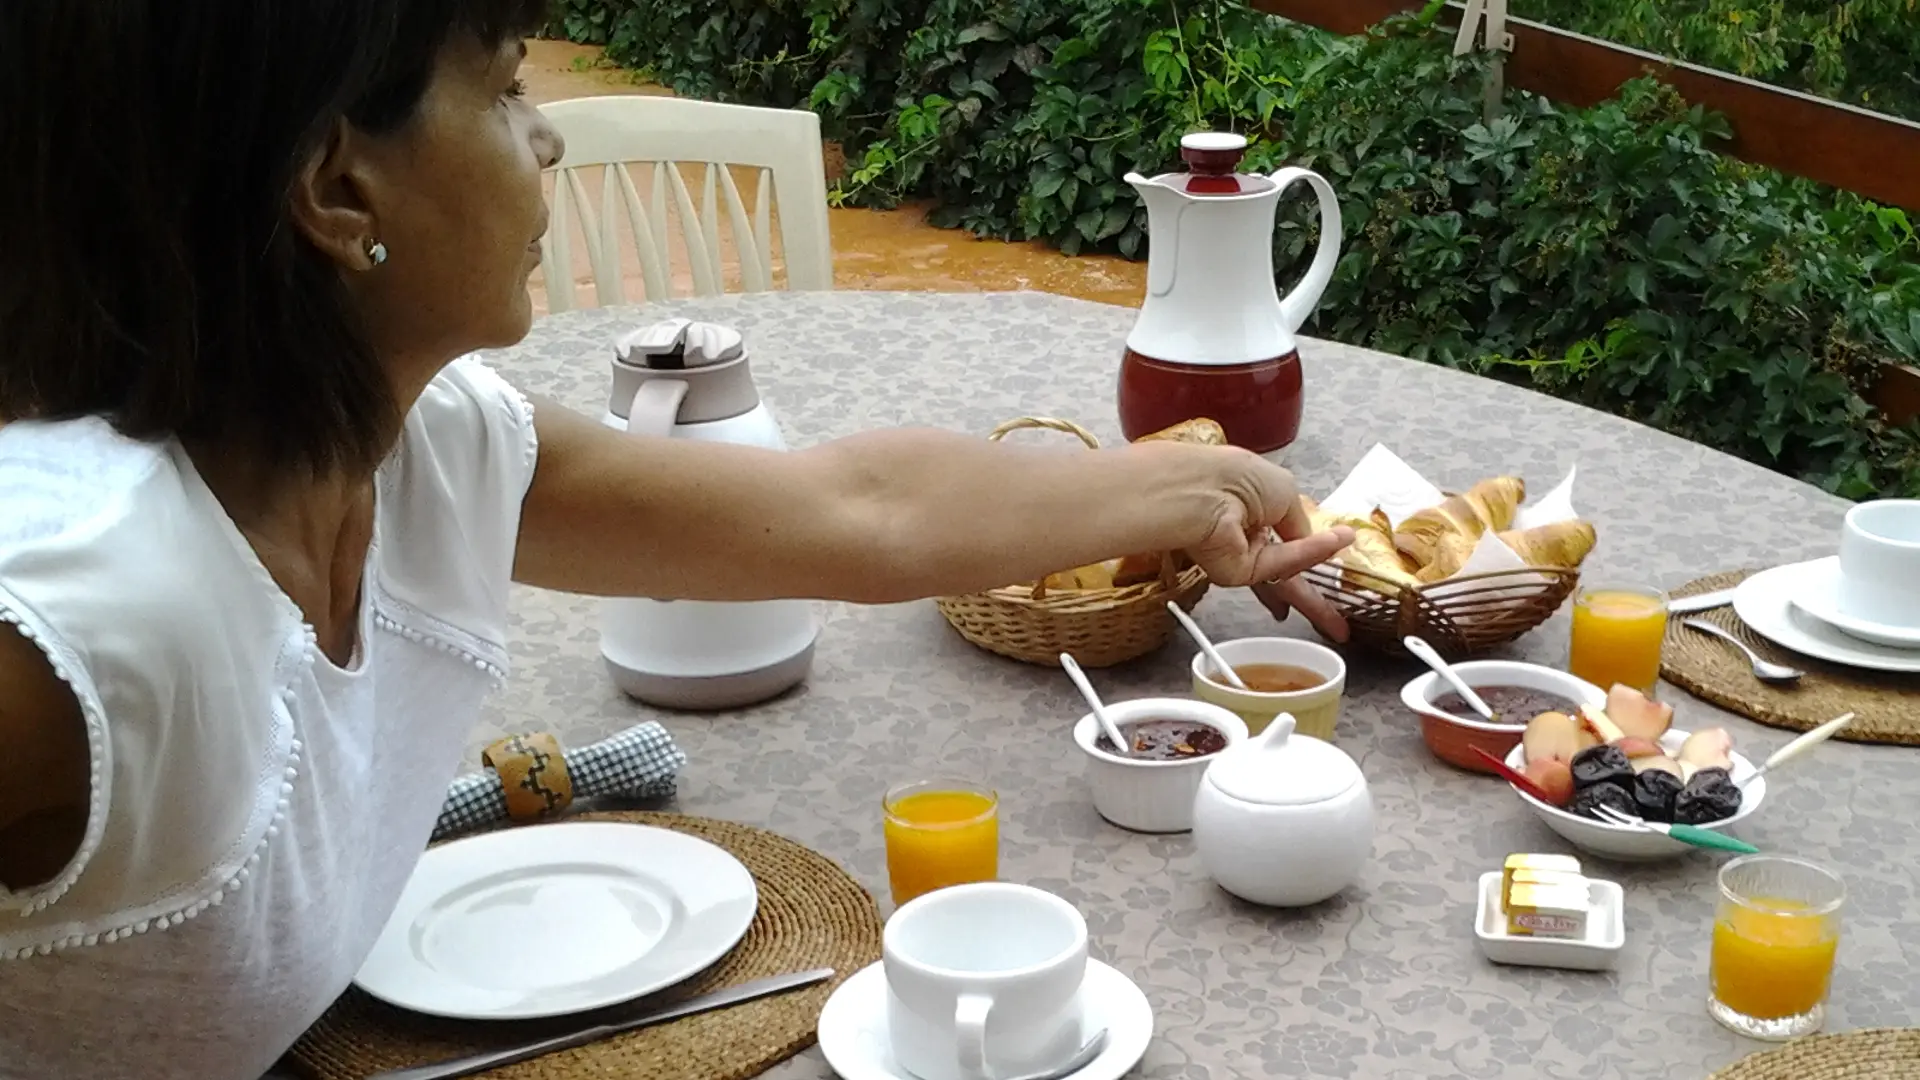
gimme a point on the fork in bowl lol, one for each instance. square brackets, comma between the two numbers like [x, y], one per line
[1686, 834]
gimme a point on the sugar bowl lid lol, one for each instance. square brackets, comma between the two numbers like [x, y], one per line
[1281, 768]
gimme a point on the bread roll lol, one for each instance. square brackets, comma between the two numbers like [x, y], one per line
[1198, 430]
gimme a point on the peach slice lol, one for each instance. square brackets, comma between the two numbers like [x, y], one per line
[1554, 778]
[1551, 736]
[1602, 725]
[1637, 714]
[1658, 761]
[1636, 747]
[1708, 749]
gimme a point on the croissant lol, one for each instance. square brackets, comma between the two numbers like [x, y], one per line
[1371, 552]
[1423, 535]
[1093, 576]
[1440, 539]
[1563, 544]
[1497, 500]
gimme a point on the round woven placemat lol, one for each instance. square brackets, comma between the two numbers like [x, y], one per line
[811, 915]
[1886, 707]
[1872, 1054]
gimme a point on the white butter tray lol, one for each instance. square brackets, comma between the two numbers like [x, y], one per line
[1598, 951]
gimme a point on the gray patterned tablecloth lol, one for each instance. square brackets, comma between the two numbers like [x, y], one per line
[1383, 983]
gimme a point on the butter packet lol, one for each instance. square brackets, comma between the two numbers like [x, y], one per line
[1535, 864]
[1557, 910]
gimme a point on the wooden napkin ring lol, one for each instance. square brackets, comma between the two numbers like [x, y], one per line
[533, 775]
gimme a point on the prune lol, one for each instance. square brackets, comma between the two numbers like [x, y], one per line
[1587, 801]
[1602, 765]
[1710, 795]
[1654, 792]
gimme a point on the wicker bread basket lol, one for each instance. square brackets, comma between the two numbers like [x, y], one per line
[1100, 627]
[1471, 613]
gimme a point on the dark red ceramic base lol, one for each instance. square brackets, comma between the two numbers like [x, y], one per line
[1258, 404]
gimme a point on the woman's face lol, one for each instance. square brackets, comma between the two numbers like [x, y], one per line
[454, 195]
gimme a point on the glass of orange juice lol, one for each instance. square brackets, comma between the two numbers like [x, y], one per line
[940, 833]
[1773, 945]
[1618, 632]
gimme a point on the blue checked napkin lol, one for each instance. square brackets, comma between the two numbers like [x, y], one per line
[641, 762]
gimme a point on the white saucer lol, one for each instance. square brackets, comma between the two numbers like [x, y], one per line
[1765, 603]
[547, 920]
[1817, 593]
[853, 1026]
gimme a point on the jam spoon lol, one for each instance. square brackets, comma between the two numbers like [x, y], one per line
[1418, 646]
[1119, 741]
[1225, 670]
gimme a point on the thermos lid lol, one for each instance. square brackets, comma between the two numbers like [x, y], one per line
[678, 344]
[707, 361]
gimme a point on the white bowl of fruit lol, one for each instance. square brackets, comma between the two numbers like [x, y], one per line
[1609, 757]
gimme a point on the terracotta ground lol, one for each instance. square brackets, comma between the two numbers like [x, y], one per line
[872, 249]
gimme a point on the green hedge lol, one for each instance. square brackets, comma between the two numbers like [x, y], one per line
[1605, 255]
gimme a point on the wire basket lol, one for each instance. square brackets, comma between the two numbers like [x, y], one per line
[1464, 616]
[1100, 627]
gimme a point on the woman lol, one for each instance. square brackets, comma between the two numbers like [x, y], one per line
[259, 522]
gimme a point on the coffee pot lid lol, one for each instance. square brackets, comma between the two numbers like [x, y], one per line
[678, 344]
[1280, 767]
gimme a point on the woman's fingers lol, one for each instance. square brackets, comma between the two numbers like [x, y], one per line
[1276, 561]
[1297, 594]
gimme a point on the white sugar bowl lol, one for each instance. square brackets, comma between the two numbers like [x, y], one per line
[1283, 819]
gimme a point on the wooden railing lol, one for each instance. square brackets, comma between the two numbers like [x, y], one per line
[1868, 153]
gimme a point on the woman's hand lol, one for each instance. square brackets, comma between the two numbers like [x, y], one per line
[1263, 539]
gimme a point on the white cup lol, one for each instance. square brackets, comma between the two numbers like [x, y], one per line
[1880, 563]
[983, 980]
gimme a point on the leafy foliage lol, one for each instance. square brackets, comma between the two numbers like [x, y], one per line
[1604, 255]
[1608, 255]
[1861, 51]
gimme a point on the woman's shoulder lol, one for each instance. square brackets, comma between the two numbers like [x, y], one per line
[61, 476]
[450, 500]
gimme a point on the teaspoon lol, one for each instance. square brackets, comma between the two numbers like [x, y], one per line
[1223, 669]
[1079, 677]
[1763, 669]
[1081, 1058]
[1419, 647]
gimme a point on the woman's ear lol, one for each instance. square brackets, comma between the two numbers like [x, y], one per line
[328, 202]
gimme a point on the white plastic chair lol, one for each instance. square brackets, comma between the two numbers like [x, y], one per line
[607, 136]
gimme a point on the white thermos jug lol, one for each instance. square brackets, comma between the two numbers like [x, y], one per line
[691, 380]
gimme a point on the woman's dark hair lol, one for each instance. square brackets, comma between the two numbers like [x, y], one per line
[148, 268]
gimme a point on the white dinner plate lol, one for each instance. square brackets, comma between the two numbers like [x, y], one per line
[1818, 594]
[853, 1025]
[1765, 603]
[548, 920]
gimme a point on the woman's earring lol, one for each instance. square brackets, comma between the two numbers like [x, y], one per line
[376, 252]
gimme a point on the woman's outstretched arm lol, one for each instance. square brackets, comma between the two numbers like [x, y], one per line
[891, 515]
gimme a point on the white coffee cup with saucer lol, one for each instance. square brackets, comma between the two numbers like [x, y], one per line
[1816, 594]
[982, 982]
[1880, 563]
[1871, 590]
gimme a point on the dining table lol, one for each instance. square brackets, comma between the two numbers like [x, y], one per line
[1386, 980]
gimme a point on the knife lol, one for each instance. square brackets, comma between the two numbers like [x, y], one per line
[719, 999]
[1706, 601]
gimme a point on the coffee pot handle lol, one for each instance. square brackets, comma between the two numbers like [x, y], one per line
[1299, 303]
[656, 407]
[970, 1031]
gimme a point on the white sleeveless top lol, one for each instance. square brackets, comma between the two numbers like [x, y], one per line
[255, 809]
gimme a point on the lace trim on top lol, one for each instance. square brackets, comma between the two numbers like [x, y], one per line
[99, 754]
[164, 916]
